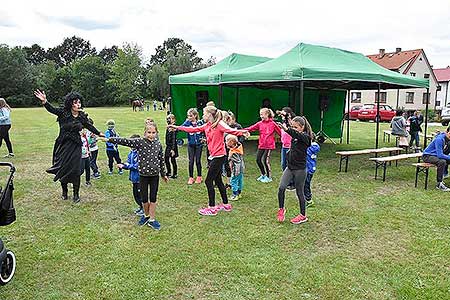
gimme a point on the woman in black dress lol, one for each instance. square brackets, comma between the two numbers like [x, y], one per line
[67, 149]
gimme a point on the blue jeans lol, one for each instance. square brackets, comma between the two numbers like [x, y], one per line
[237, 183]
[307, 190]
[414, 137]
[284, 152]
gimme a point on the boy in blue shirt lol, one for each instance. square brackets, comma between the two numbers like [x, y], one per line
[311, 161]
[132, 164]
[434, 154]
[112, 151]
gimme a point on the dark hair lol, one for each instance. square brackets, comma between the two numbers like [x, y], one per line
[306, 126]
[70, 98]
[398, 113]
[135, 136]
[288, 111]
[448, 129]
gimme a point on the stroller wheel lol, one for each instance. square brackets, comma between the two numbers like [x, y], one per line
[7, 268]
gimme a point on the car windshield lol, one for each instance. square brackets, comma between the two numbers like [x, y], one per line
[368, 106]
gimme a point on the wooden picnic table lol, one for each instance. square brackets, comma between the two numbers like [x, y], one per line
[382, 161]
[344, 155]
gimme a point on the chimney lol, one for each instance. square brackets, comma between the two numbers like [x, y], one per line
[382, 51]
[397, 50]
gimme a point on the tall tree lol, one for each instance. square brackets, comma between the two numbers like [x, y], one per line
[109, 54]
[69, 50]
[90, 78]
[126, 73]
[62, 85]
[45, 75]
[175, 47]
[35, 54]
[158, 79]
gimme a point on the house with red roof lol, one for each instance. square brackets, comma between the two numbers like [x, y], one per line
[443, 77]
[411, 62]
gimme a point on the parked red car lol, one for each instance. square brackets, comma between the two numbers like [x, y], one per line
[369, 112]
[354, 110]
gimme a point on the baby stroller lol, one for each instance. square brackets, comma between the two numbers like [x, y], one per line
[7, 217]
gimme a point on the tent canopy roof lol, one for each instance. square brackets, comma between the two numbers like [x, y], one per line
[213, 74]
[324, 68]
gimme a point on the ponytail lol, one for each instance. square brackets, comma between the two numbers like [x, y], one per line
[306, 126]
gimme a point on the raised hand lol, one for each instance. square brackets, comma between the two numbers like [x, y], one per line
[246, 134]
[41, 96]
[172, 126]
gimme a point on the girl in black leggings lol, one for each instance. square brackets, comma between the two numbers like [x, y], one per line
[5, 126]
[301, 133]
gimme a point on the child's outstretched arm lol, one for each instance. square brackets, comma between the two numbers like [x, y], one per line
[253, 127]
[132, 143]
[189, 129]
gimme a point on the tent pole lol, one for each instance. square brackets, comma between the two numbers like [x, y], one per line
[426, 119]
[348, 117]
[302, 86]
[220, 96]
[171, 100]
[398, 98]
[378, 116]
[237, 103]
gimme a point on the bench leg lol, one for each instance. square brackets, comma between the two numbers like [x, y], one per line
[426, 178]
[340, 164]
[346, 164]
[384, 171]
[384, 137]
[389, 138]
[417, 175]
[376, 169]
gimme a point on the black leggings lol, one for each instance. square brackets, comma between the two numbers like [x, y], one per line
[137, 194]
[4, 135]
[263, 161]
[195, 154]
[215, 176]
[76, 186]
[171, 160]
[113, 155]
[149, 183]
[93, 161]
[86, 167]
[299, 177]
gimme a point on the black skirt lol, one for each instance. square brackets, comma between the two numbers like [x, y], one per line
[66, 161]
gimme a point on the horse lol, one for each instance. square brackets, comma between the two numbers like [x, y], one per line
[137, 104]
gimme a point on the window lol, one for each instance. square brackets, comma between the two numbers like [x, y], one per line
[424, 98]
[412, 74]
[438, 102]
[426, 76]
[382, 97]
[387, 107]
[356, 97]
[409, 97]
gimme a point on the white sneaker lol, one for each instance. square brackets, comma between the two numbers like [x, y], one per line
[441, 186]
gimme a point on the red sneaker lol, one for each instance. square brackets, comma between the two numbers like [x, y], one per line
[225, 207]
[280, 214]
[208, 211]
[199, 179]
[299, 219]
[190, 180]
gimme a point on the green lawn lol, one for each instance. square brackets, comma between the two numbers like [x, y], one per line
[365, 239]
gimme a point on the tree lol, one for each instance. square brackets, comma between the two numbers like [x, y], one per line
[35, 54]
[158, 79]
[62, 85]
[109, 54]
[210, 62]
[15, 76]
[178, 64]
[70, 50]
[179, 47]
[45, 75]
[90, 78]
[126, 73]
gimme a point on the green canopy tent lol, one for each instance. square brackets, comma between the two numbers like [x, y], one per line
[312, 71]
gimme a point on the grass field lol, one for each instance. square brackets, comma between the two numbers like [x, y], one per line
[365, 239]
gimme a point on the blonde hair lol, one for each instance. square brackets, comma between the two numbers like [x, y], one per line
[226, 116]
[194, 112]
[216, 114]
[151, 125]
[267, 111]
[4, 104]
[231, 137]
[210, 103]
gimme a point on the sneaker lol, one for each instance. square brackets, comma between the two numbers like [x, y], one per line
[64, 197]
[234, 197]
[144, 220]
[120, 172]
[309, 203]
[281, 214]
[260, 177]
[110, 172]
[290, 188]
[299, 219]
[174, 176]
[76, 199]
[190, 181]
[446, 176]
[269, 179]
[154, 224]
[139, 212]
[88, 183]
[199, 179]
[266, 179]
[96, 176]
[208, 211]
[9, 155]
[441, 186]
[225, 207]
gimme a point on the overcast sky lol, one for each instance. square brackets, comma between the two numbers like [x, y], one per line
[218, 28]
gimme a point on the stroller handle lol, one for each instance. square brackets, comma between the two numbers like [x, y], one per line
[8, 164]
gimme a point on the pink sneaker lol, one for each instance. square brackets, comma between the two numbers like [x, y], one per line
[280, 214]
[225, 207]
[199, 179]
[190, 180]
[299, 219]
[208, 211]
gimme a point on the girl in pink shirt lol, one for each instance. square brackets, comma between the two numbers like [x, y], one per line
[267, 129]
[214, 130]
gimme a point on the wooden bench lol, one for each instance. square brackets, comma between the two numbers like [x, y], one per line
[423, 167]
[382, 161]
[344, 155]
